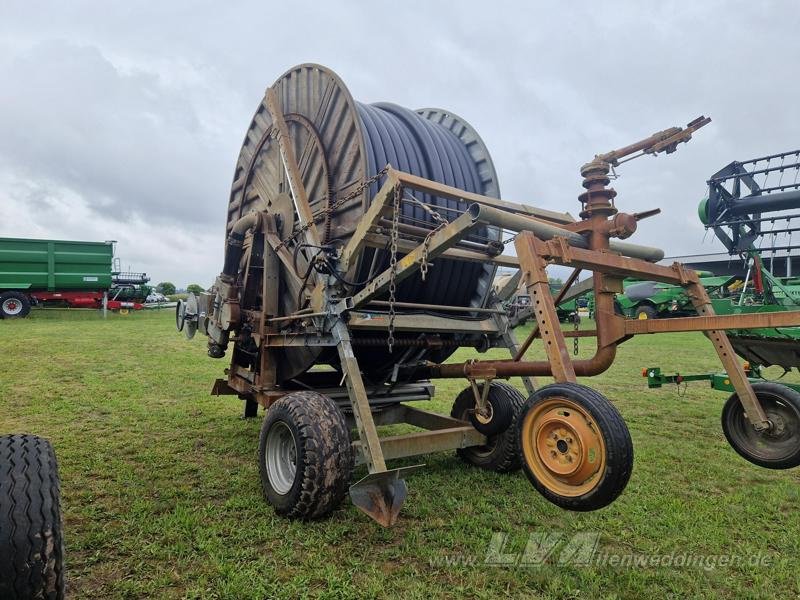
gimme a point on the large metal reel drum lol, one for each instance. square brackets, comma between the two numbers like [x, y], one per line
[338, 144]
[322, 121]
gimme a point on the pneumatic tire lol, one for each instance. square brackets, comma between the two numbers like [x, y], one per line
[500, 453]
[646, 312]
[31, 541]
[305, 456]
[777, 448]
[576, 448]
[14, 305]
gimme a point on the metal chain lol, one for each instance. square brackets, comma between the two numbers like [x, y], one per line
[357, 191]
[423, 263]
[576, 320]
[442, 222]
[393, 263]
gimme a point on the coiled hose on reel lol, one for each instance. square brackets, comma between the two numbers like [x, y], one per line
[409, 142]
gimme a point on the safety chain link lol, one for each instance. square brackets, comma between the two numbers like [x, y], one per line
[393, 263]
[442, 222]
[576, 321]
[357, 191]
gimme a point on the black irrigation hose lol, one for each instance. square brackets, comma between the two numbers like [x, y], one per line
[409, 142]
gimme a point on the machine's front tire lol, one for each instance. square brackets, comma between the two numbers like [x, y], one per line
[777, 448]
[305, 456]
[576, 449]
[31, 542]
[501, 453]
[14, 305]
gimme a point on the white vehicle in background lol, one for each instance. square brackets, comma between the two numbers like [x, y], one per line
[155, 298]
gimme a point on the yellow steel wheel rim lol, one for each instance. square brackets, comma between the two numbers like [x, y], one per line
[562, 447]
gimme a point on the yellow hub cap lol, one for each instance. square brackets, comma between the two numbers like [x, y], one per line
[562, 447]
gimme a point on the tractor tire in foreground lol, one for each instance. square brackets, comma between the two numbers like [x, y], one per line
[305, 456]
[501, 453]
[31, 542]
[576, 449]
[778, 448]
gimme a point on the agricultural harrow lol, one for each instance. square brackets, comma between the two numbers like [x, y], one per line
[361, 245]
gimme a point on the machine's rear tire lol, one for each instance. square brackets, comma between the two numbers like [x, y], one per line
[576, 449]
[646, 312]
[501, 453]
[14, 305]
[778, 448]
[31, 542]
[305, 456]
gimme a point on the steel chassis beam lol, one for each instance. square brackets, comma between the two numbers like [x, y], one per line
[442, 433]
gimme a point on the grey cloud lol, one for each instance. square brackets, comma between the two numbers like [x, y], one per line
[139, 110]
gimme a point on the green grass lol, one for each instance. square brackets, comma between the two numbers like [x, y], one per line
[161, 495]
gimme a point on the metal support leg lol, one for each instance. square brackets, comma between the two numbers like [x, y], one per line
[250, 409]
[381, 493]
[367, 432]
[544, 308]
[753, 409]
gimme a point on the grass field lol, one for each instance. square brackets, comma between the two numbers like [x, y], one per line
[161, 494]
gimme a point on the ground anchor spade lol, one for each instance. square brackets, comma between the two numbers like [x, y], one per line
[381, 495]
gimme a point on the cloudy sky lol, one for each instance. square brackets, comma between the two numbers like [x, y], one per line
[123, 120]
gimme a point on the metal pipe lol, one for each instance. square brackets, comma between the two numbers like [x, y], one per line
[546, 231]
[438, 307]
[296, 317]
[762, 204]
[599, 363]
[422, 232]
[233, 248]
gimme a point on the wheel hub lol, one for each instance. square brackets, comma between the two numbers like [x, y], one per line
[281, 458]
[563, 447]
[484, 416]
[778, 425]
[12, 306]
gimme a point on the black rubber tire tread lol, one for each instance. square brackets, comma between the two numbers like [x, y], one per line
[23, 299]
[324, 455]
[31, 540]
[733, 410]
[502, 413]
[617, 438]
[504, 456]
[650, 311]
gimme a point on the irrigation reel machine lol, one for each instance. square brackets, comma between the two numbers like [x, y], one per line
[362, 241]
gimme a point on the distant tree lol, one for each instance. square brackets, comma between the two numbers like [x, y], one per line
[556, 281]
[195, 288]
[166, 287]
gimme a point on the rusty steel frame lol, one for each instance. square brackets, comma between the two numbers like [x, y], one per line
[533, 255]
[544, 238]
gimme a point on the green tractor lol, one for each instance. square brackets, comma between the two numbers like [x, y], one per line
[655, 300]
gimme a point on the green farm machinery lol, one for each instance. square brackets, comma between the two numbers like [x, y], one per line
[750, 207]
